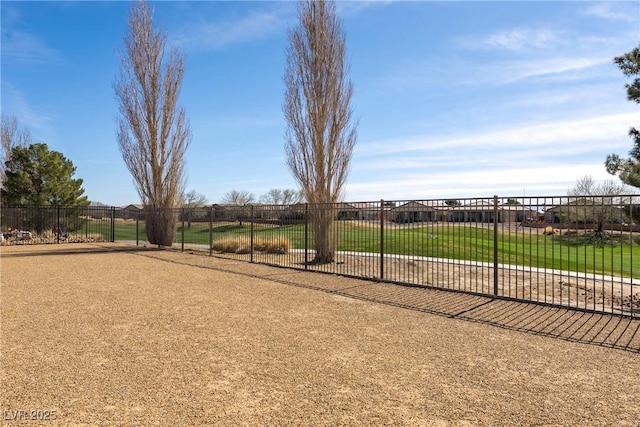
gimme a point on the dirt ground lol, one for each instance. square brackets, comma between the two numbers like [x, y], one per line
[105, 334]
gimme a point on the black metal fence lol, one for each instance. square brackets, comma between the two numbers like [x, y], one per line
[578, 252]
[56, 224]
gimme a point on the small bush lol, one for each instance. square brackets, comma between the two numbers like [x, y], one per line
[260, 245]
[94, 237]
[226, 245]
[236, 245]
[280, 245]
[48, 235]
[573, 238]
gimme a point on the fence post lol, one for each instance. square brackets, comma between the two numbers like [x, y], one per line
[306, 235]
[251, 235]
[381, 239]
[495, 245]
[113, 224]
[182, 233]
[631, 243]
[211, 232]
[58, 224]
[137, 228]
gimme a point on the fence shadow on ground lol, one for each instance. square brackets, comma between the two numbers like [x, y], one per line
[599, 329]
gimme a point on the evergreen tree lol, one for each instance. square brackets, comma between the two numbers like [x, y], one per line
[40, 177]
[629, 169]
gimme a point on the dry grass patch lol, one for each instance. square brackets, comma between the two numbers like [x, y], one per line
[279, 245]
[231, 245]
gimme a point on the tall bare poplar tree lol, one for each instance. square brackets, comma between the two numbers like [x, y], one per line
[153, 132]
[12, 137]
[320, 134]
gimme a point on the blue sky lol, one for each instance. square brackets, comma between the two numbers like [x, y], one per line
[454, 99]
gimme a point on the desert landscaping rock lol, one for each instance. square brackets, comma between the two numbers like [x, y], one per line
[104, 334]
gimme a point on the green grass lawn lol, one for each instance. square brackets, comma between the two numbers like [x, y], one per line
[440, 240]
[126, 230]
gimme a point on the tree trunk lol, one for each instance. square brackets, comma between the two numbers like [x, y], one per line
[325, 243]
[161, 226]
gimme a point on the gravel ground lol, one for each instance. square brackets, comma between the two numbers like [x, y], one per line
[98, 335]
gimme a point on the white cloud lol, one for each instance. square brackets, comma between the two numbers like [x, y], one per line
[456, 183]
[25, 47]
[611, 11]
[515, 40]
[597, 130]
[568, 53]
[227, 32]
[591, 97]
[568, 68]
[15, 103]
[257, 24]
[457, 72]
[539, 159]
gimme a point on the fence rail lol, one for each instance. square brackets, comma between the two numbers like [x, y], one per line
[577, 252]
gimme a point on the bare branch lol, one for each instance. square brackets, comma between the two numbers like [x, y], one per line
[276, 196]
[193, 199]
[235, 197]
[12, 137]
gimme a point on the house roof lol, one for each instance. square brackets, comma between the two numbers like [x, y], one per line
[422, 204]
[137, 206]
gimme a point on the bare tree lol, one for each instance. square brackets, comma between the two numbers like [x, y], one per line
[153, 132]
[276, 196]
[239, 199]
[12, 136]
[587, 187]
[235, 197]
[596, 203]
[191, 201]
[320, 134]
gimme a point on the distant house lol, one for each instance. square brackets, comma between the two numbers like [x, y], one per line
[131, 211]
[521, 213]
[267, 212]
[292, 213]
[474, 211]
[368, 211]
[420, 211]
[195, 213]
[371, 210]
[482, 211]
[587, 211]
[347, 211]
[485, 211]
[223, 212]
